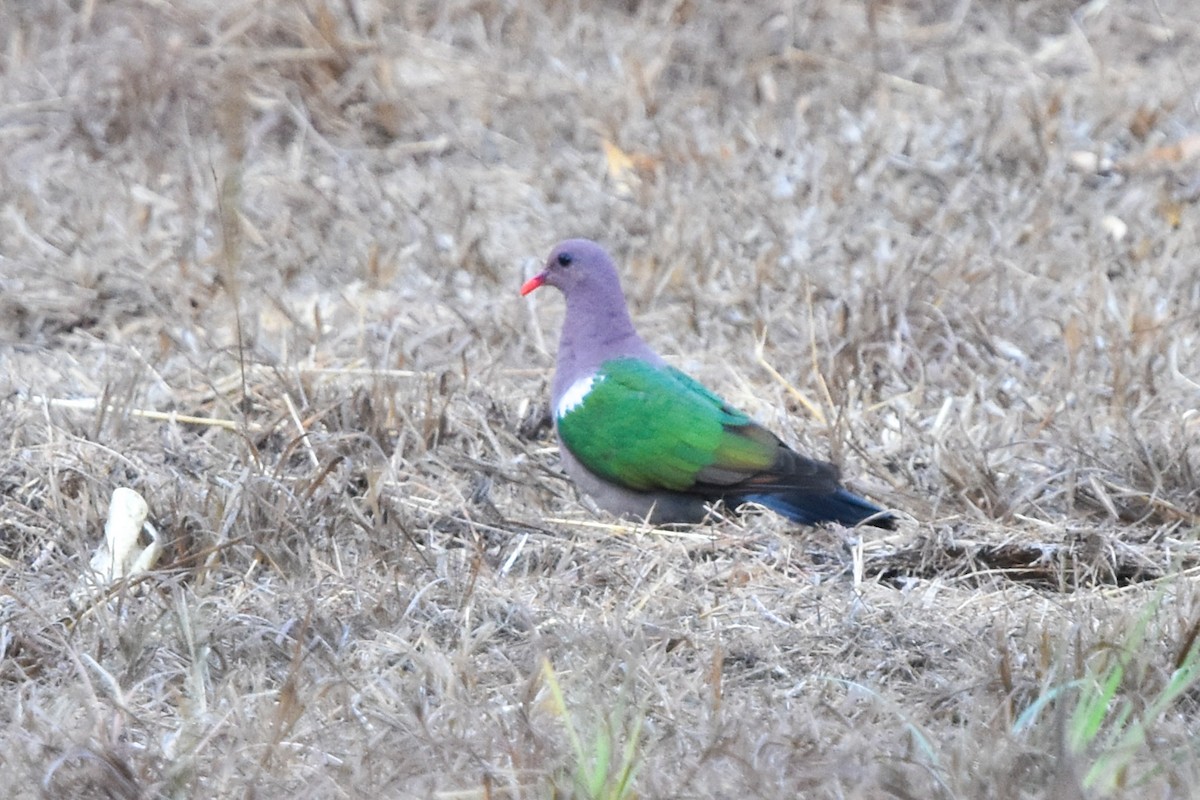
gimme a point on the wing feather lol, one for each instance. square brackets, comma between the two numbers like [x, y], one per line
[648, 427]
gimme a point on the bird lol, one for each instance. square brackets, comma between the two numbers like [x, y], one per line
[644, 440]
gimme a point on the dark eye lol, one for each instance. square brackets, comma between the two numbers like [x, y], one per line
[565, 259]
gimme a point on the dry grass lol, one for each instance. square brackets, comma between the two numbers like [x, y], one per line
[963, 235]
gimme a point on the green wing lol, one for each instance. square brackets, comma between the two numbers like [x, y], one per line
[648, 427]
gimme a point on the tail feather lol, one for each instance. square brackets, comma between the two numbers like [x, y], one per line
[810, 509]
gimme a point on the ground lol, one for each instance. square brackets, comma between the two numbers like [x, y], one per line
[259, 262]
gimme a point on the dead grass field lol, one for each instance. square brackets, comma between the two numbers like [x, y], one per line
[964, 232]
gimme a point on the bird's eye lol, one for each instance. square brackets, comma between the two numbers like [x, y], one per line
[565, 259]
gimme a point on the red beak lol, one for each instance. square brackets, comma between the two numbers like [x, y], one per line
[533, 283]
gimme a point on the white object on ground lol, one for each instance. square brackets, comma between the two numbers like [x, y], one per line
[120, 555]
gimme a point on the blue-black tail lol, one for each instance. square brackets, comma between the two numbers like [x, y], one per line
[811, 509]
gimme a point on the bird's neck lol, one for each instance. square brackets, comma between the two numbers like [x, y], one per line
[597, 329]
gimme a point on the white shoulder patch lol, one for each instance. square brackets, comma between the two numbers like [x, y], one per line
[574, 395]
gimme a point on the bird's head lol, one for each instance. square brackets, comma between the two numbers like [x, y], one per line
[573, 266]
